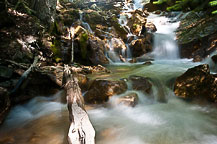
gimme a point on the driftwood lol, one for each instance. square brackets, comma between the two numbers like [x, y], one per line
[81, 130]
[25, 75]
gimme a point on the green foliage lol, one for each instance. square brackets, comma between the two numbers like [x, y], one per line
[186, 5]
[213, 4]
[83, 44]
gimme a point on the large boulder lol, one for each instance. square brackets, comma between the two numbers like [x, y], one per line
[136, 22]
[101, 89]
[141, 83]
[4, 103]
[141, 46]
[197, 40]
[97, 51]
[130, 100]
[89, 49]
[197, 82]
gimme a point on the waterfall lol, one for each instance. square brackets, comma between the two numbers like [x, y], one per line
[85, 24]
[165, 46]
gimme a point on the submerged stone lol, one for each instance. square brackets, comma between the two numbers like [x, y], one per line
[130, 100]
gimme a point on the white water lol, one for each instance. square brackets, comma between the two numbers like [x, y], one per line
[165, 46]
[85, 24]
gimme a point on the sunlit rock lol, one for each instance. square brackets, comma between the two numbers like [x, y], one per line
[101, 89]
[197, 82]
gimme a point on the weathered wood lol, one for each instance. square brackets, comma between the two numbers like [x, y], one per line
[81, 130]
[24, 76]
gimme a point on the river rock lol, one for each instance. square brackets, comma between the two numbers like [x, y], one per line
[150, 27]
[141, 46]
[197, 82]
[130, 100]
[140, 83]
[4, 103]
[101, 89]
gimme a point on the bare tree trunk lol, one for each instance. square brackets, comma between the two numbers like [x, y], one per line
[81, 130]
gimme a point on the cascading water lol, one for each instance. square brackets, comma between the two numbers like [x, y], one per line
[85, 24]
[165, 46]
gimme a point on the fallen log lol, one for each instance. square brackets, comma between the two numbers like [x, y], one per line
[81, 130]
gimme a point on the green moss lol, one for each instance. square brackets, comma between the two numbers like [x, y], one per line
[55, 47]
[135, 26]
[55, 29]
[83, 44]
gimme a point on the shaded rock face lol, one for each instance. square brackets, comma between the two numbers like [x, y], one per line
[45, 9]
[89, 49]
[130, 100]
[100, 90]
[4, 103]
[97, 51]
[141, 46]
[140, 83]
[197, 40]
[197, 82]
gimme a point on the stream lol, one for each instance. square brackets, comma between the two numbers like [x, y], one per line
[44, 120]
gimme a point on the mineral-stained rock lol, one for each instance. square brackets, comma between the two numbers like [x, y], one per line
[101, 89]
[197, 82]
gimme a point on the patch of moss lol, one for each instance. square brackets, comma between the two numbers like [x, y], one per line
[55, 47]
[83, 44]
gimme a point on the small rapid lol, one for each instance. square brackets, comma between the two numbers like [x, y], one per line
[165, 46]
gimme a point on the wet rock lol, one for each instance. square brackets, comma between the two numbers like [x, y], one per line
[140, 83]
[130, 100]
[147, 63]
[214, 59]
[83, 82]
[141, 46]
[136, 22]
[197, 82]
[101, 89]
[150, 27]
[118, 45]
[133, 60]
[4, 103]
